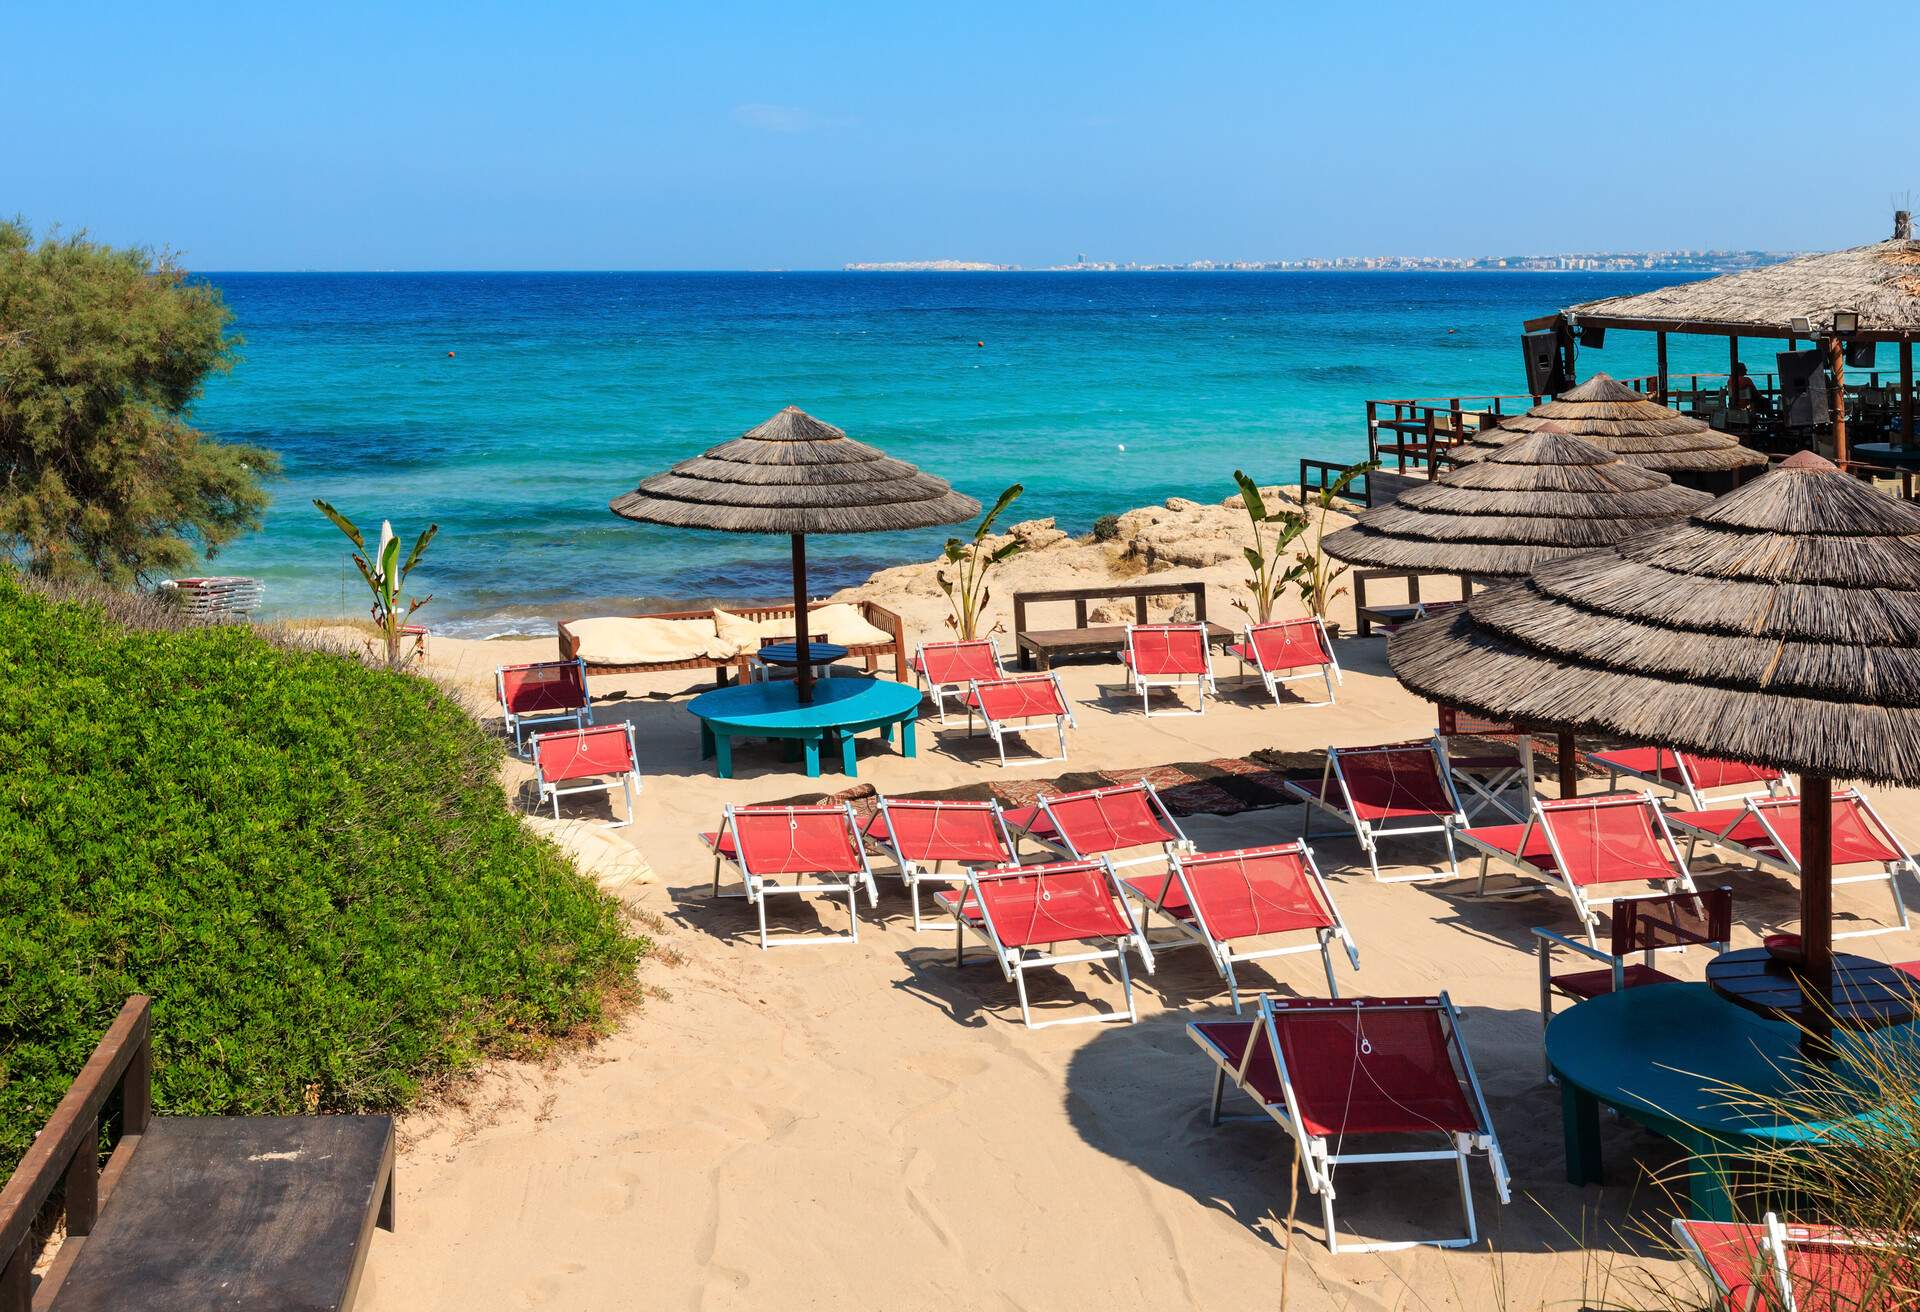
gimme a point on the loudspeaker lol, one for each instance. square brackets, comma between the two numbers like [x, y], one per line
[1593, 336]
[1860, 355]
[1542, 351]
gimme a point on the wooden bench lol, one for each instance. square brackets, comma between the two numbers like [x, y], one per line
[1391, 617]
[1083, 639]
[246, 1213]
[870, 653]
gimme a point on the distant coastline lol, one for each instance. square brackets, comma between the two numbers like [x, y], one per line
[1581, 262]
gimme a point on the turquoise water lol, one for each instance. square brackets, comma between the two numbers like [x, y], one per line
[1099, 392]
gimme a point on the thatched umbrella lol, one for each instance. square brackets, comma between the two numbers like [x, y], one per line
[1546, 495]
[1780, 624]
[794, 474]
[1634, 427]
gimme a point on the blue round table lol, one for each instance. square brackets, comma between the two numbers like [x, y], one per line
[788, 653]
[1668, 1056]
[840, 709]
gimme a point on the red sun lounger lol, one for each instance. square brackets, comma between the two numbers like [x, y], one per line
[1501, 781]
[1333, 1070]
[798, 850]
[592, 758]
[1021, 913]
[1285, 650]
[1387, 792]
[1102, 822]
[1018, 703]
[922, 835]
[1168, 656]
[1691, 775]
[1219, 900]
[1766, 830]
[1581, 843]
[945, 668]
[1776, 1267]
[544, 693]
[1669, 922]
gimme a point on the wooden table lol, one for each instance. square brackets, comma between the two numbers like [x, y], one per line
[1866, 994]
[1049, 645]
[840, 709]
[1666, 1056]
[1085, 640]
[249, 1213]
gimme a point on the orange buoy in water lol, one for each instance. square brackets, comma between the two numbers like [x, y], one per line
[979, 343]
[449, 355]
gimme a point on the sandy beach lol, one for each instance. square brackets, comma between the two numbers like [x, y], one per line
[867, 1126]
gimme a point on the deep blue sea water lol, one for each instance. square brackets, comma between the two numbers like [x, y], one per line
[563, 390]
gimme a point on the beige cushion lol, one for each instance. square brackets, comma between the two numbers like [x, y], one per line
[841, 623]
[844, 624]
[743, 636]
[621, 641]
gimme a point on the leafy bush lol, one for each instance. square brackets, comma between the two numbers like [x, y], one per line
[308, 863]
[1106, 528]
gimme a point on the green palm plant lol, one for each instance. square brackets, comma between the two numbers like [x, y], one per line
[386, 577]
[1265, 557]
[966, 586]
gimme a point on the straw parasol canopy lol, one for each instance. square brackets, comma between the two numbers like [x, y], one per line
[1545, 496]
[1880, 281]
[1634, 427]
[1780, 625]
[795, 475]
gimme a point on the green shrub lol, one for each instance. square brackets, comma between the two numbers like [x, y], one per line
[308, 863]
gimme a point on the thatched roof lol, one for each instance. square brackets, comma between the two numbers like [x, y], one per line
[1545, 496]
[795, 474]
[1780, 624]
[1636, 428]
[1881, 281]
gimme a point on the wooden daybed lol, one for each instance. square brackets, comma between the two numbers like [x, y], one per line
[871, 653]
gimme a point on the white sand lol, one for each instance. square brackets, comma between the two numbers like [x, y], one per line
[868, 1127]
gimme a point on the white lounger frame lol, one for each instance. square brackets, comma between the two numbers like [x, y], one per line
[517, 725]
[1063, 847]
[999, 729]
[1687, 788]
[758, 888]
[1781, 862]
[1272, 679]
[1144, 684]
[550, 791]
[1584, 905]
[940, 691]
[1317, 1159]
[1225, 956]
[913, 874]
[1371, 832]
[1776, 1238]
[1015, 962]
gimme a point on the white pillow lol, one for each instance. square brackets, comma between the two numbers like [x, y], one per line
[616, 640]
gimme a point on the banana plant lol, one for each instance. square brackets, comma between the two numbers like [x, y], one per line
[966, 587]
[386, 577]
[1317, 575]
[1270, 574]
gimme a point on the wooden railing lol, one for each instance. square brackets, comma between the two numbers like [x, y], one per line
[67, 1153]
[1328, 472]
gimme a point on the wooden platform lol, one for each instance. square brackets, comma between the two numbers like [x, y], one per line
[240, 1213]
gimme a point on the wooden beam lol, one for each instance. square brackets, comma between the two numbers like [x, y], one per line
[1906, 391]
[1837, 405]
[1660, 368]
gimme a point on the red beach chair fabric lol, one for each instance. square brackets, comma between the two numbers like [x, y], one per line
[1280, 650]
[1386, 792]
[594, 758]
[1168, 656]
[542, 693]
[1103, 822]
[945, 668]
[1776, 1267]
[798, 850]
[922, 835]
[1010, 705]
[1690, 774]
[1327, 1070]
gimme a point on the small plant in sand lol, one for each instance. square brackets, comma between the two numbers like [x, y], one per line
[1273, 532]
[966, 584]
[386, 577]
[1316, 575]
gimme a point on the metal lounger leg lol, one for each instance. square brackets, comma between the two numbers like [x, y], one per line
[1326, 959]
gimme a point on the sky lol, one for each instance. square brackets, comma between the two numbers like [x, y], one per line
[754, 135]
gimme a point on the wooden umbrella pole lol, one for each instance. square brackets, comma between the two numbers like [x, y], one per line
[803, 670]
[1837, 362]
[1569, 768]
[1816, 906]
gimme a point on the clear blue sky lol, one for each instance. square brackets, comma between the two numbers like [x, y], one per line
[755, 135]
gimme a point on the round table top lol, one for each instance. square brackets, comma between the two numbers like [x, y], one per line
[1867, 994]
[788, 653]
[1670, 1054]
[836, 702]
[1891, 452]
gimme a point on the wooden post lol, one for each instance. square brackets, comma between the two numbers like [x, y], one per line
[1569, 768]
[803, 671]
[1906, 391]
[1816, 909]
[1660, 377]
[1837, 406]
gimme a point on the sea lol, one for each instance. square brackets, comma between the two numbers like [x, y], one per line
[510, 408]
